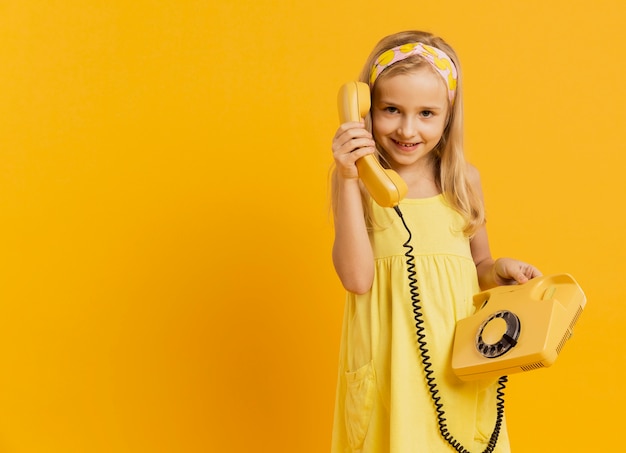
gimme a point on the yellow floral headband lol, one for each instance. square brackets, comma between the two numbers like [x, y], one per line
[436, 57]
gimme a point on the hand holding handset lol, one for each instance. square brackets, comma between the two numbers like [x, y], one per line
[385, 186]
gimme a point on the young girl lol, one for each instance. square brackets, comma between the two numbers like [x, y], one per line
[414, 127]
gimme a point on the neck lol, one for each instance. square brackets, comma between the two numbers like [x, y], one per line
[421, 179]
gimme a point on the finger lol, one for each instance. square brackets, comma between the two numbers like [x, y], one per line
[346, 163]
[349, 159]
[360, 152]
[528, 272]
[347, 129]
[353, 144]
[351, 130]
[533, 272]
[521, 278]
[359, 143]
[351, 125]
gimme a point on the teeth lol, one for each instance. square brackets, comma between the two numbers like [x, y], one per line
[406, 145]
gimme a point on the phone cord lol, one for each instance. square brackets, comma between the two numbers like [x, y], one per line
[428, 372]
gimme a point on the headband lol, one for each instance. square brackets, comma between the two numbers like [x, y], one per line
[439, 60]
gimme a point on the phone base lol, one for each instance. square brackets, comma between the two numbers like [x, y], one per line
[517, 328]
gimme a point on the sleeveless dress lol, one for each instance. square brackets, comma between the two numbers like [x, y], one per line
[383, 403]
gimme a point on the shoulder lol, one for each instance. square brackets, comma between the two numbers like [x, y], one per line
[473, 175]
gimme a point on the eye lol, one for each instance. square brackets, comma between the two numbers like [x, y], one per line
[391, 109]
[426, 113]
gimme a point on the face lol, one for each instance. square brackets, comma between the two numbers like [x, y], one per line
[409, 114]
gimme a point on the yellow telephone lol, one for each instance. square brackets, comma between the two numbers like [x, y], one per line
[385, 186]
[517, 328]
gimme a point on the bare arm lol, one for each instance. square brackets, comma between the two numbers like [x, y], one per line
[352, 252]
[501, 271]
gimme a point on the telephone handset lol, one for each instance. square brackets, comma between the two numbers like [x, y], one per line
[385, 186]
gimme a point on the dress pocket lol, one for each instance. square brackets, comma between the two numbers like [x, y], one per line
[360, 397]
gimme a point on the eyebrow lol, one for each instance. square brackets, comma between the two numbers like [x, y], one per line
[423, 107]
[431, 108]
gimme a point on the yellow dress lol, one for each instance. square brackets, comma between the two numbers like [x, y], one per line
[383, 403]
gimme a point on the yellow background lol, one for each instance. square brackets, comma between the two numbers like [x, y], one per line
[165, 276]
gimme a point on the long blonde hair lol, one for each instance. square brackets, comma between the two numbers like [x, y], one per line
[450, 164]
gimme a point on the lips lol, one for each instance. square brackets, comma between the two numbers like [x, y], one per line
[405, 145]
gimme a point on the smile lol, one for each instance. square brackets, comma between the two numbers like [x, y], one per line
[405, 145]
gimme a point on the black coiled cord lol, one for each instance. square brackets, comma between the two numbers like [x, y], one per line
[428, 372]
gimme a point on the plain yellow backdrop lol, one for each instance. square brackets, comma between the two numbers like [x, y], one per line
[165, 273]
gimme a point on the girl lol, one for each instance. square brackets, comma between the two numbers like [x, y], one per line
[414, 127]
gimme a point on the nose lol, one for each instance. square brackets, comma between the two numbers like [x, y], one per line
[408, 127]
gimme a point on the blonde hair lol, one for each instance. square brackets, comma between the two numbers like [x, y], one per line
[450, 165]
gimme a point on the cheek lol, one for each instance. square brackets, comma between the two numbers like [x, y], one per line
[381, 126]
[436, 129]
